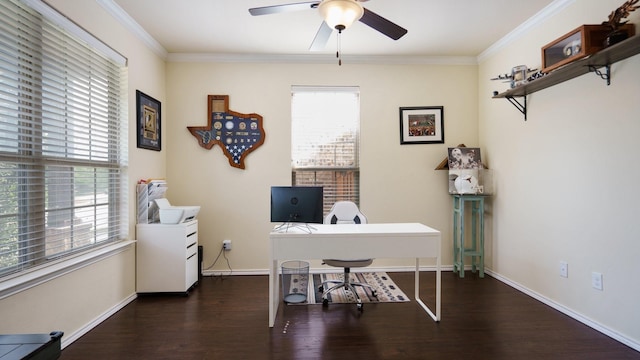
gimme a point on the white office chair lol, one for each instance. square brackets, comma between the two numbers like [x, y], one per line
[345, 212]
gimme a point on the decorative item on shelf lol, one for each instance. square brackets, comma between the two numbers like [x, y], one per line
[471, 181]
[603, 59]
[467, 174]
[467, 184]
[464, 158]
[519, 76]
[615, 23]
[238, 134]
[578, 43]
[536, 75]
[444, 164]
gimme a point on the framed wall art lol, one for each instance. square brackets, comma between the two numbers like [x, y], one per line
[464, 158]
[148, 122]
[422, 125]
[236, 133]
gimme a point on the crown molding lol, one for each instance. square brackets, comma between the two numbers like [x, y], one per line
[550, 10]
[322, 59]
[127, 21]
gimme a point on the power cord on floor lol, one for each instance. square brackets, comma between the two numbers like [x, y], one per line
[224, 255]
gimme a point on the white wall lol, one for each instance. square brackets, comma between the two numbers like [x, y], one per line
[73, 301]
[398, 182]
[566, 179]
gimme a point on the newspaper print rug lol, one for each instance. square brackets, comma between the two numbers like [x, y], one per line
[386, 289]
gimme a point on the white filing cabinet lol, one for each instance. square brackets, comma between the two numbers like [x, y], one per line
[166, 257]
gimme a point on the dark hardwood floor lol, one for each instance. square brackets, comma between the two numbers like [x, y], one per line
[227, 319]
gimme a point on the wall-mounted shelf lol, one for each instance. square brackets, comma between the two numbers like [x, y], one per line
[602, 59]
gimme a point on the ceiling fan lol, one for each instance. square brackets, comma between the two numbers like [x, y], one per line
[339, 15]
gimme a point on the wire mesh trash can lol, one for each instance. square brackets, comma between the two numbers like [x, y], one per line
[295, 281]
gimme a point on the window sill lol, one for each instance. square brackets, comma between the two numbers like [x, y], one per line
[22, 282]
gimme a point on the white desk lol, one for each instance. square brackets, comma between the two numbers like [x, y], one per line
[357, 241]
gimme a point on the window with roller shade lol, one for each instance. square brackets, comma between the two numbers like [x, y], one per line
[325, 141]
[63, 139]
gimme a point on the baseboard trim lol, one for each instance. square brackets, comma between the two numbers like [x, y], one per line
[565, 310]
[69, 339]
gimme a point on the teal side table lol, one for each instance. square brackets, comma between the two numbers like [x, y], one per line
[476, 249]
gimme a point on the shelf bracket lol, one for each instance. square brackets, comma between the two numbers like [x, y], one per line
[604, 76]
[522, 107]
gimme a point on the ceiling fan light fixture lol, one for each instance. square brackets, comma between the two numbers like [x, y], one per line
[340, 14]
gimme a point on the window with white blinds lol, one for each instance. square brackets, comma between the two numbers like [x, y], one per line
[325, 141]
[63, 142]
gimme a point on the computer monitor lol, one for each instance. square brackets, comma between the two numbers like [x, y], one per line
[297, 204]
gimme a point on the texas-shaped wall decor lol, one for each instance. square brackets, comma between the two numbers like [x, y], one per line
[238, 134]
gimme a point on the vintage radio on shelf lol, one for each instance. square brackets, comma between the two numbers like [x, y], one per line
[582, 41]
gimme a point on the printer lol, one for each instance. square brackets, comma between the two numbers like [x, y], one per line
[175, 214]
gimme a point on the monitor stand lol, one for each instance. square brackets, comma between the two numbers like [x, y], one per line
[284, 227]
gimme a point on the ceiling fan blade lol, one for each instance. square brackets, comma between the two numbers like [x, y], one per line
[276, 9]
[383, 25]
[322, 36]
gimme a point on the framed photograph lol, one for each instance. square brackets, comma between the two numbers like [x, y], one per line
[148, 122]
[422, 125]
[464, 158]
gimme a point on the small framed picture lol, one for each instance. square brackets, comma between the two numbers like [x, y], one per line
[148, 122]
[464, 158]
[422, 125]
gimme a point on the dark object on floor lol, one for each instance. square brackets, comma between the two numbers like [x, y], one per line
[30, 346]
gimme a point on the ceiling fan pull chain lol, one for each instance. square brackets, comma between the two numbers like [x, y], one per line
[338, 55]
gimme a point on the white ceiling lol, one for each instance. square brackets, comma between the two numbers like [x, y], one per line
[435, 27]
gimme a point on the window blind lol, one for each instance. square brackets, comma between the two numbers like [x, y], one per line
[63, 142]
[325, 141]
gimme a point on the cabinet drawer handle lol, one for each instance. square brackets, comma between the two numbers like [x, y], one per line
[192, 255]
[191, 245]
[193, 233]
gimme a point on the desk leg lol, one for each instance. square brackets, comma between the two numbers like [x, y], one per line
[481, 210]
[416, 286]
[274, 287]
[461, 239]
[438, 288]
[435, 317]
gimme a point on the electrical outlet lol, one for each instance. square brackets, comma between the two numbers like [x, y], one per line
[564, 269]
[226, 245]
[596, 280]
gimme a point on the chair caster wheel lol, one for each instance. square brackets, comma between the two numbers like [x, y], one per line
[320, 288]
[360, 307]
[325, 302]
